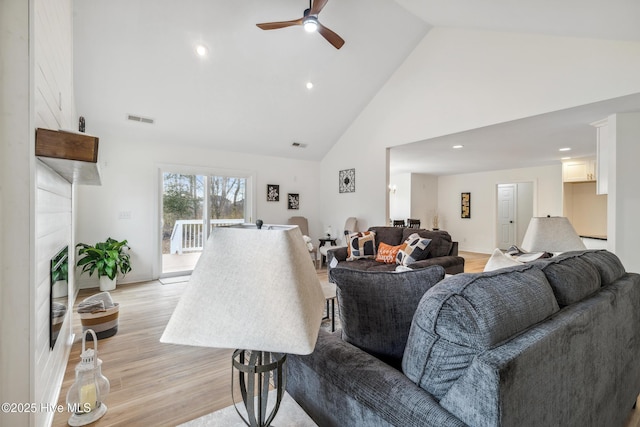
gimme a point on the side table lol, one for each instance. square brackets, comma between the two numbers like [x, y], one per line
[332, 242]
[329, 291]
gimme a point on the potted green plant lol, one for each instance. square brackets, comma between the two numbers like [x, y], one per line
[107, 258]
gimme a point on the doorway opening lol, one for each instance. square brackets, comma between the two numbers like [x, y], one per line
[514, 211]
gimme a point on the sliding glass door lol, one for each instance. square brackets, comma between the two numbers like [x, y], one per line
[191, 206]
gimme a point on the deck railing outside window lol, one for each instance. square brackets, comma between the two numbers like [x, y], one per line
[187, 235]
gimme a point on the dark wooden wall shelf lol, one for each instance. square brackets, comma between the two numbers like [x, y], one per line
[73, 155]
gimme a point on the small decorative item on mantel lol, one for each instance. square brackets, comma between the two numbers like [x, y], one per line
[86, 395]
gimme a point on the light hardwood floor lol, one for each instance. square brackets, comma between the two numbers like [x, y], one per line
[155, 384]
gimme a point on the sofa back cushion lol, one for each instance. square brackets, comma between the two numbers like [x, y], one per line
[376, 308]
[390, 235]
[466, 314]
[608, 265]
[571, 276]
[440, 241]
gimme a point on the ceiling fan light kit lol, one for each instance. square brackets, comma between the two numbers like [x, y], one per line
[310, 23]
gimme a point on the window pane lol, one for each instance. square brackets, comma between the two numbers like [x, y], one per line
[182, 217]
[227, 197]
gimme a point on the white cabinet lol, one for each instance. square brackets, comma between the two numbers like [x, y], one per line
[602, 156]
[579, 170]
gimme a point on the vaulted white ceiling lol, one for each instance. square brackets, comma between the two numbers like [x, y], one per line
[138, 57]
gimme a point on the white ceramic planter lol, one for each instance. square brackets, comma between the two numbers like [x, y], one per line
[107, 284]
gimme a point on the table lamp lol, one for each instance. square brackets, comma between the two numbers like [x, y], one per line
[256, 291]
[551, 234]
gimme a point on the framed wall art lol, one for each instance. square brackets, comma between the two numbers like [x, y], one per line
[465, 205]
[273, 193]
[347, 181]
[293, 201]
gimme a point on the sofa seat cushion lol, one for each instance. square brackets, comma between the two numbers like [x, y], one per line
[571, 276]
[376, 308]
[467, 314]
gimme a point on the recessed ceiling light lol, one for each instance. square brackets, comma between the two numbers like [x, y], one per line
[565, 149]
[309, 85]
[565, 158]
[201, 50]
[457, 147]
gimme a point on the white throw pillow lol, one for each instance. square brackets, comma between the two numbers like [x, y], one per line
[500, 260]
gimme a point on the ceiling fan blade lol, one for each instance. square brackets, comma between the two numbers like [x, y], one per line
[318, 5]
[276, 25]
[331, 37]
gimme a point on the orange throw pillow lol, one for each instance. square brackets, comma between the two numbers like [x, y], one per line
[388, 253]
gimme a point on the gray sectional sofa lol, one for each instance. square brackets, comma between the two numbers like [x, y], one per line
[552, 343]
[441, 251]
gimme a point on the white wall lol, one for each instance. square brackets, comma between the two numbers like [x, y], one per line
[130, 183]
[400, 200]
[623, 231]
[424, 198]
[457, 80]
[16, 209]
[478, 233]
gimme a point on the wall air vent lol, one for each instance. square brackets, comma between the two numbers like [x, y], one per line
[140, 119]
[298, 145]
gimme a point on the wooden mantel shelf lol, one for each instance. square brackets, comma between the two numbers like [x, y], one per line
[73, 155]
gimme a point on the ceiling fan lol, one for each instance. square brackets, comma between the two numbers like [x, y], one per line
[310, 22]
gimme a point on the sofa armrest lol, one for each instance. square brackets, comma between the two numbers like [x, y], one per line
[339, 254]
[341, 385]
[454, 249]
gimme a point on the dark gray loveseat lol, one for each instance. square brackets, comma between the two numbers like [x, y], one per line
[442, 251]
[553, 343]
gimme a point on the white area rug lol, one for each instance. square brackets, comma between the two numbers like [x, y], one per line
[290, 414]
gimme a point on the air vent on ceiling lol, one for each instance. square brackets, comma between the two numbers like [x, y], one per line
[298, 145]
[139, 119]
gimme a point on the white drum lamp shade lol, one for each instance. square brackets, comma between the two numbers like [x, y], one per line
[251, 289]
[551, 234]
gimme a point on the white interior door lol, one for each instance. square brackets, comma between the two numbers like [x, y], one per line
[506, 215]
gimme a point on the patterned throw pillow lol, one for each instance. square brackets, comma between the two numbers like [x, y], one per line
[417, 248]
[388, 253]
[361, 245]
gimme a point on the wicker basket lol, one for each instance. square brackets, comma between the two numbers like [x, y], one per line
[104, 322]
